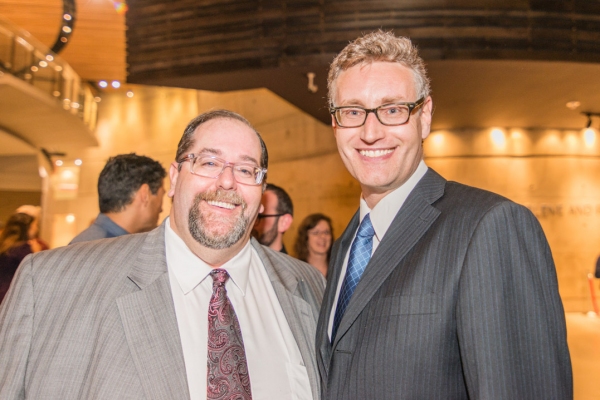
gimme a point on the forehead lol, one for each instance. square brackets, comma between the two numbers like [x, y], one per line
[374, 84]
[322, 224]
[269, 199]
[227, 138]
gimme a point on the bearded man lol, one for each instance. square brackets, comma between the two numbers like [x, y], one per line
[193, 309]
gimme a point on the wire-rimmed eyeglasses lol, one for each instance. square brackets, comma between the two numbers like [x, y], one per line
[212, 167]
[387, 114]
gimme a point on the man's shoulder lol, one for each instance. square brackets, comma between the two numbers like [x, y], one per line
[289, 265]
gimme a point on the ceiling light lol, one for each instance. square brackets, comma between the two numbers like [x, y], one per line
[130, 94]
[116, 84]
[103, 84]
[573, 105]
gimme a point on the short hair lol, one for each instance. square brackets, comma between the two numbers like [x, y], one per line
[123, 175]
[380, 46]
[308, 223]
[187, 140]
[284, 202]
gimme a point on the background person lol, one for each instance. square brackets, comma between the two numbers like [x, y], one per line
[276, 218]
[314, 240]
[36, 213]
[16, 241]
[130, 195]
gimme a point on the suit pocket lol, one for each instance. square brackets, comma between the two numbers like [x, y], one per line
[405, 305]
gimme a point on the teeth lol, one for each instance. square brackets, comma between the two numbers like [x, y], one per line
[375, 153]
[221, 204]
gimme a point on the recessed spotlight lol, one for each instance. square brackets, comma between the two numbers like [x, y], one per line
[103, 84]
[130, 94]
[34, 68]
[573, 105]
[43, 64]
[56, 93]
[78, 162]
[64, 39]
[67, 17]
[116, 84]
[66, 29]
[58, 163]
[97, 99]
[49, 57]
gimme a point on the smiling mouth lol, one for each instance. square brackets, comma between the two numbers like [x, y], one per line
[221, 204]
[375, 153]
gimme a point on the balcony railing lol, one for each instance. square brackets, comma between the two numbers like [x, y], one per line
[24, 57]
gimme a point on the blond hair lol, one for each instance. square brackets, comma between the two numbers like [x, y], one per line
[380, 46]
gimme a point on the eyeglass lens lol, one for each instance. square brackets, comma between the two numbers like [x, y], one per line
[212, 167]
[387, 115]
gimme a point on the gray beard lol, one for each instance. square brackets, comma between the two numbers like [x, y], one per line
[198, 223]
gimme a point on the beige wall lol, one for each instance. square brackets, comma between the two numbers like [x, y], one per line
[551, 172]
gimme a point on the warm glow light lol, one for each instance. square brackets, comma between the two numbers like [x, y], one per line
[49, 57]
[70, 218]
[67, 17]
[103, 84]
[58, 163]
[573, 105]
[56, 93]
[516, 135]
[34, 68]
[437, 139]
[42, 171]
[64, 39]
[66, 174]
[97, 99]
[78, 162]
[589, 137]
[74, 105]
[43, 64]
[498, 137]
[116, 84]
[130, 94]
[66, 29]
[58, 68]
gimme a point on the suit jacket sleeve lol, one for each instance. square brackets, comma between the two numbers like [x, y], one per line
[510, 319]
[16, 326]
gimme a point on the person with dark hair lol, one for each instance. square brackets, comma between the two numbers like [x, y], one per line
[314, 240]
[16, 241]
[276, 218]
[130, 195]
[436, 290]
[195, 309]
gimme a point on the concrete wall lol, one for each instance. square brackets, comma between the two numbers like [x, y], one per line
[552, 172]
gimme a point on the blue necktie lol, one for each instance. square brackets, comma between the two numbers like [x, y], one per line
[360, 254]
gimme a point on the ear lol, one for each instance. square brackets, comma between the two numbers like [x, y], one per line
[425, 117]
[334, 125]
[284, 223]
[173, 174]
[261, 209]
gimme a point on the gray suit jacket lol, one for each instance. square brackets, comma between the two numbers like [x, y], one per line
[96, 320]
[459, 301]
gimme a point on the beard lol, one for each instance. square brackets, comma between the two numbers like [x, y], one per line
[268, 237]
[204, 227]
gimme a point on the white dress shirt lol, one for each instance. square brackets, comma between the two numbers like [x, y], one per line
[382, 216]
[274, 361]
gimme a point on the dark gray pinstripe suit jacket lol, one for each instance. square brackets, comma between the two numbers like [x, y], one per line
[96, 320]
[459, 301]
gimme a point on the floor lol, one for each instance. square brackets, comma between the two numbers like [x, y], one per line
[583, 332]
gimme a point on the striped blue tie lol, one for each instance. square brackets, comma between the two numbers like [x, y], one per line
[360, 254]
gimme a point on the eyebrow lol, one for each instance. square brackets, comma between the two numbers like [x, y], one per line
[218, 152]
[385, 100]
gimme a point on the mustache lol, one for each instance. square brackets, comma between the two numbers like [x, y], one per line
[225, 197]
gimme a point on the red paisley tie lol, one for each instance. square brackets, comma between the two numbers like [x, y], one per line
[227, 370]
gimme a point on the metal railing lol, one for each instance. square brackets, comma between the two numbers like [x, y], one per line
[24, 57]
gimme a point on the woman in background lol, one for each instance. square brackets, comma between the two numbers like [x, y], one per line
[313, 243]
[15, 243]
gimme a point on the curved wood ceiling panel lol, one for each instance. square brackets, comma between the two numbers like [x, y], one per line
[97, 47]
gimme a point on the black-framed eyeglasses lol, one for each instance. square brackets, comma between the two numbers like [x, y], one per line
[387, 114]
[262, 216]
[212, 167]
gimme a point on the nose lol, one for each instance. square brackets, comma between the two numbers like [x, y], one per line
[372, 130]
[226, 179]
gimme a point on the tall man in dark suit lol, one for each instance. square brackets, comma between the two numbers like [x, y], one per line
[437, 290]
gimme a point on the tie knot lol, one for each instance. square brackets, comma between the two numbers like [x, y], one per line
[219, 277]
[366, 227]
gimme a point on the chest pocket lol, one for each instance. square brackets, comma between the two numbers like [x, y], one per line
[405, 305]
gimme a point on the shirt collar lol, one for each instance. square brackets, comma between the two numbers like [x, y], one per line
[384, 212]
[110, 226]
[190, 270]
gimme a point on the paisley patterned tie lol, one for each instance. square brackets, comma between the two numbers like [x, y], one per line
[227, 370]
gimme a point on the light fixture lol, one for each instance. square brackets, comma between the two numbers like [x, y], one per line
[589, 116]
[103, 84]
[116, 84]
[130, 93]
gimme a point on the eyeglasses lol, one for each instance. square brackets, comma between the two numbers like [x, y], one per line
[387, 114]
[213, 167]
[319, 233]
[262, 216]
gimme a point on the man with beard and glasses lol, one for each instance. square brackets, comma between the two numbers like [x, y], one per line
[194, 309]
[276, 218]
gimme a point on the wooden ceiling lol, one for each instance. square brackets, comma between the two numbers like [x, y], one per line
[97, 47]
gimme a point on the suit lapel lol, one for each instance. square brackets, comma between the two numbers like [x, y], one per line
[150, 323]
[409, 225]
